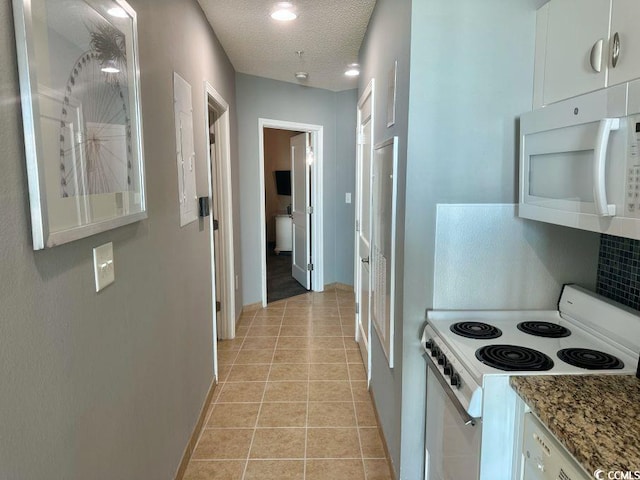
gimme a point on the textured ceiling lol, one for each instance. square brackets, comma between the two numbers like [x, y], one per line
[329, 32]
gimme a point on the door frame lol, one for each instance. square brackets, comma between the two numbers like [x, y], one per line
[223, 151]
[369, 91]
[317, 217]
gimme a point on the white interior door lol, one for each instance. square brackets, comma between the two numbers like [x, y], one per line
[217, 240]
[363, 225]
[300, 210]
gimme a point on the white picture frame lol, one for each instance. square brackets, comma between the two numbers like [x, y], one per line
[80, 94]
[383, 243]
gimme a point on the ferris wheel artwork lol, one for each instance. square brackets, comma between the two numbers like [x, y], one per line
[98, 161]
[105, 142]
[79, 80]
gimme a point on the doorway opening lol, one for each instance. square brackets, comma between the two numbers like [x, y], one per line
[278, 148]
[291, 209]
[221, 219]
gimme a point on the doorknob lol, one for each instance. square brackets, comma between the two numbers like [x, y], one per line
[365, 260]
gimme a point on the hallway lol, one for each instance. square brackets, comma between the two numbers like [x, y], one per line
[292, 402]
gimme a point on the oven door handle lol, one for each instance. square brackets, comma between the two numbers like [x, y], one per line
[466, 418]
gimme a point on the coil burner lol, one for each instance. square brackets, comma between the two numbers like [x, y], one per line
[477, 330]
[514, 358]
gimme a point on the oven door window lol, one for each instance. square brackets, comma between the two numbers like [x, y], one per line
[453, 448]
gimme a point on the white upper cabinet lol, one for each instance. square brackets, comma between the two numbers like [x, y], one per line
[576, 47]
[585, 45]
[625, 40]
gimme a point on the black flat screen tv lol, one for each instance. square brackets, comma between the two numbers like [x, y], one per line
[283, 182]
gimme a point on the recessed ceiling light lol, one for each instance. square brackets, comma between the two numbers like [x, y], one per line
[302, 75]
[284, 12]
[353, 70]
[117, 12]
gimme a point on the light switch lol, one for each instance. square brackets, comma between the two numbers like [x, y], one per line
[347, 197]
[103, 266]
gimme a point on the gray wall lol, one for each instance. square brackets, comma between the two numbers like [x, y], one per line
[264, 98]
[462, 112]
[388, 39]
[464, 103]
[110, 385]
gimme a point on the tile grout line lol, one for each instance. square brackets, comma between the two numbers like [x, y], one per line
[306, 438]
[306, 421]
[264, 393]
[355, 411]
[244, 339]
[273, 459]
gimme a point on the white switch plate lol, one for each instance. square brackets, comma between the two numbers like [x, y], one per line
[103, 267]
[347, 198]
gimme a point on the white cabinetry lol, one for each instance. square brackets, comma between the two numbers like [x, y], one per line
[284, 234]
[624, 23]
[585, 45]
[574, 28]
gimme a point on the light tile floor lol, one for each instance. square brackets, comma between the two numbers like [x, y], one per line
[292, 402]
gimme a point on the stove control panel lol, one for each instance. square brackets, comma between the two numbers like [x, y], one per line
[452, 373]
[443, 361]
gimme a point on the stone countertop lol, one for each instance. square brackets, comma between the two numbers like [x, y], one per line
[596, 417]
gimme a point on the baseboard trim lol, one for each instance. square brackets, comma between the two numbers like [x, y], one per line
[384, 440]
[191, 445]
[252, 307]
[339, 286]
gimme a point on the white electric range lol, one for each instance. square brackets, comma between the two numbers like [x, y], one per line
[473, 416]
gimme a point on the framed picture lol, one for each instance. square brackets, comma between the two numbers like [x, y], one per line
[383, 243]
[80, 90]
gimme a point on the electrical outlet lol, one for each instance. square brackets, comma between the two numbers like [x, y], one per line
[103, 267]
[347, 197]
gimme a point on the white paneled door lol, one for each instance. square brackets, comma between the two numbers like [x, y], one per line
[363, 224]
[301, 210]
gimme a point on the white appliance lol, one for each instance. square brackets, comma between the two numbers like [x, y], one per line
[284, 235]
[544, 458]
[580, 162]
[474, 418]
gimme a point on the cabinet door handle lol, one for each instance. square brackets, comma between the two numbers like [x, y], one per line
[615, 54]
[596, 56]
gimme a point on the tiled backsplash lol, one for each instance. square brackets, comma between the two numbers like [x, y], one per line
[619, 270]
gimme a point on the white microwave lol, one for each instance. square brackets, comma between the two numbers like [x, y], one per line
[580, 162]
